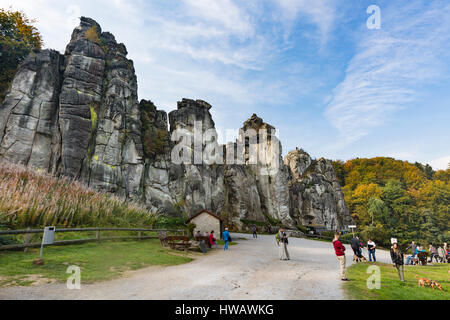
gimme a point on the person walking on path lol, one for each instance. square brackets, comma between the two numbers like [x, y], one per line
[254, 230]
[398, 260]
[226, 238]
[282, 241]
[413, 247]
[340, 254]
[212, 240]
[371, 247]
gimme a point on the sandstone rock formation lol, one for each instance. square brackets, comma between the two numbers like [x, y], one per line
[78, 115]
[315, 194]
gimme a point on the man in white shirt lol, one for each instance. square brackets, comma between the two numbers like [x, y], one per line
[371, 246]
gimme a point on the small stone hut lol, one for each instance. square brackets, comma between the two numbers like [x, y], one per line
[205, 222]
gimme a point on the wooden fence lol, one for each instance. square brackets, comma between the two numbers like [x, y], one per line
[98, 238]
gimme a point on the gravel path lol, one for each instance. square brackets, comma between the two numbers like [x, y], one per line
[250, 270]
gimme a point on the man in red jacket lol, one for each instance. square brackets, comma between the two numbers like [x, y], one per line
[340, 253]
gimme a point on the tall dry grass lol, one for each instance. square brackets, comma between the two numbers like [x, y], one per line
[32, 199]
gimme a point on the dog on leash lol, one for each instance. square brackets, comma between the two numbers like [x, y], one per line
[359, 259]
[424, 282]
[435, 284]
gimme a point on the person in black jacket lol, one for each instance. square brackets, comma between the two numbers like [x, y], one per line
[356, 246]
[398, 260]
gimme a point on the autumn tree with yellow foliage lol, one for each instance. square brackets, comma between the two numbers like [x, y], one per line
[18, 37]
[392, 198]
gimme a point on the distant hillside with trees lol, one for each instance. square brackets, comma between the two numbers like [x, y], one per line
[392, 198]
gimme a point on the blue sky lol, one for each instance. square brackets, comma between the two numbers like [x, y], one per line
[311, 68]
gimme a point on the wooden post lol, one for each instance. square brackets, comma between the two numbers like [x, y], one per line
[139, 235]
[98, 235]
[27, 240]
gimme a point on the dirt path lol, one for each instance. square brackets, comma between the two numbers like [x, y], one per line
[250, 270]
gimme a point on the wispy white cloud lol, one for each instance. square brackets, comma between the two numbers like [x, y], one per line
[321, 13]
[441, 163]
[224, 13]
[391, 67]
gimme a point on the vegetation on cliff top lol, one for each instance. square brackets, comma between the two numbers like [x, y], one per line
[393, 198]
[154, 139]
[18, 37]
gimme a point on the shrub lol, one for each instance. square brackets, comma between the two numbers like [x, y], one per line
[347, 238]
[92, 35]
[302, 229]
[328, 234]
[191, 227]
[170, 222]
[154, 139]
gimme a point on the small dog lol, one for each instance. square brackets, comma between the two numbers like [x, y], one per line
[424, 282]
[435, 284]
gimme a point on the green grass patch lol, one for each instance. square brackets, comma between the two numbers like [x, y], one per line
[98, 261]
[391, 286]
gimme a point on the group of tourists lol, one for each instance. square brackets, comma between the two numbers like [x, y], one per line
[441, 254]
[357, 247]
[397, 256]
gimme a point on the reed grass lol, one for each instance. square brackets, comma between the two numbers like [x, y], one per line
[32, 199]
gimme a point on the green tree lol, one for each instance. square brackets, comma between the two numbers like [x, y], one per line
[415, 198]
[376, 208]
[429, 172]
[18, 37]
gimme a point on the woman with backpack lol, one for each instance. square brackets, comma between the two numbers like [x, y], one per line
[226, 238]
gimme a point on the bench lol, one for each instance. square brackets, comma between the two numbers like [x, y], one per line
[205, 239]
[179, 241]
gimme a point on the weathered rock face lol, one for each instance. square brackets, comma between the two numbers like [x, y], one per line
[29, 114]
[191, 187]
[78, 115]
[315, 194]
[270, 173]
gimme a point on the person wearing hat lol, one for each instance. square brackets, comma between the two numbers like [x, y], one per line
[226, 238]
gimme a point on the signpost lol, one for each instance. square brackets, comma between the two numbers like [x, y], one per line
[353, 230]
